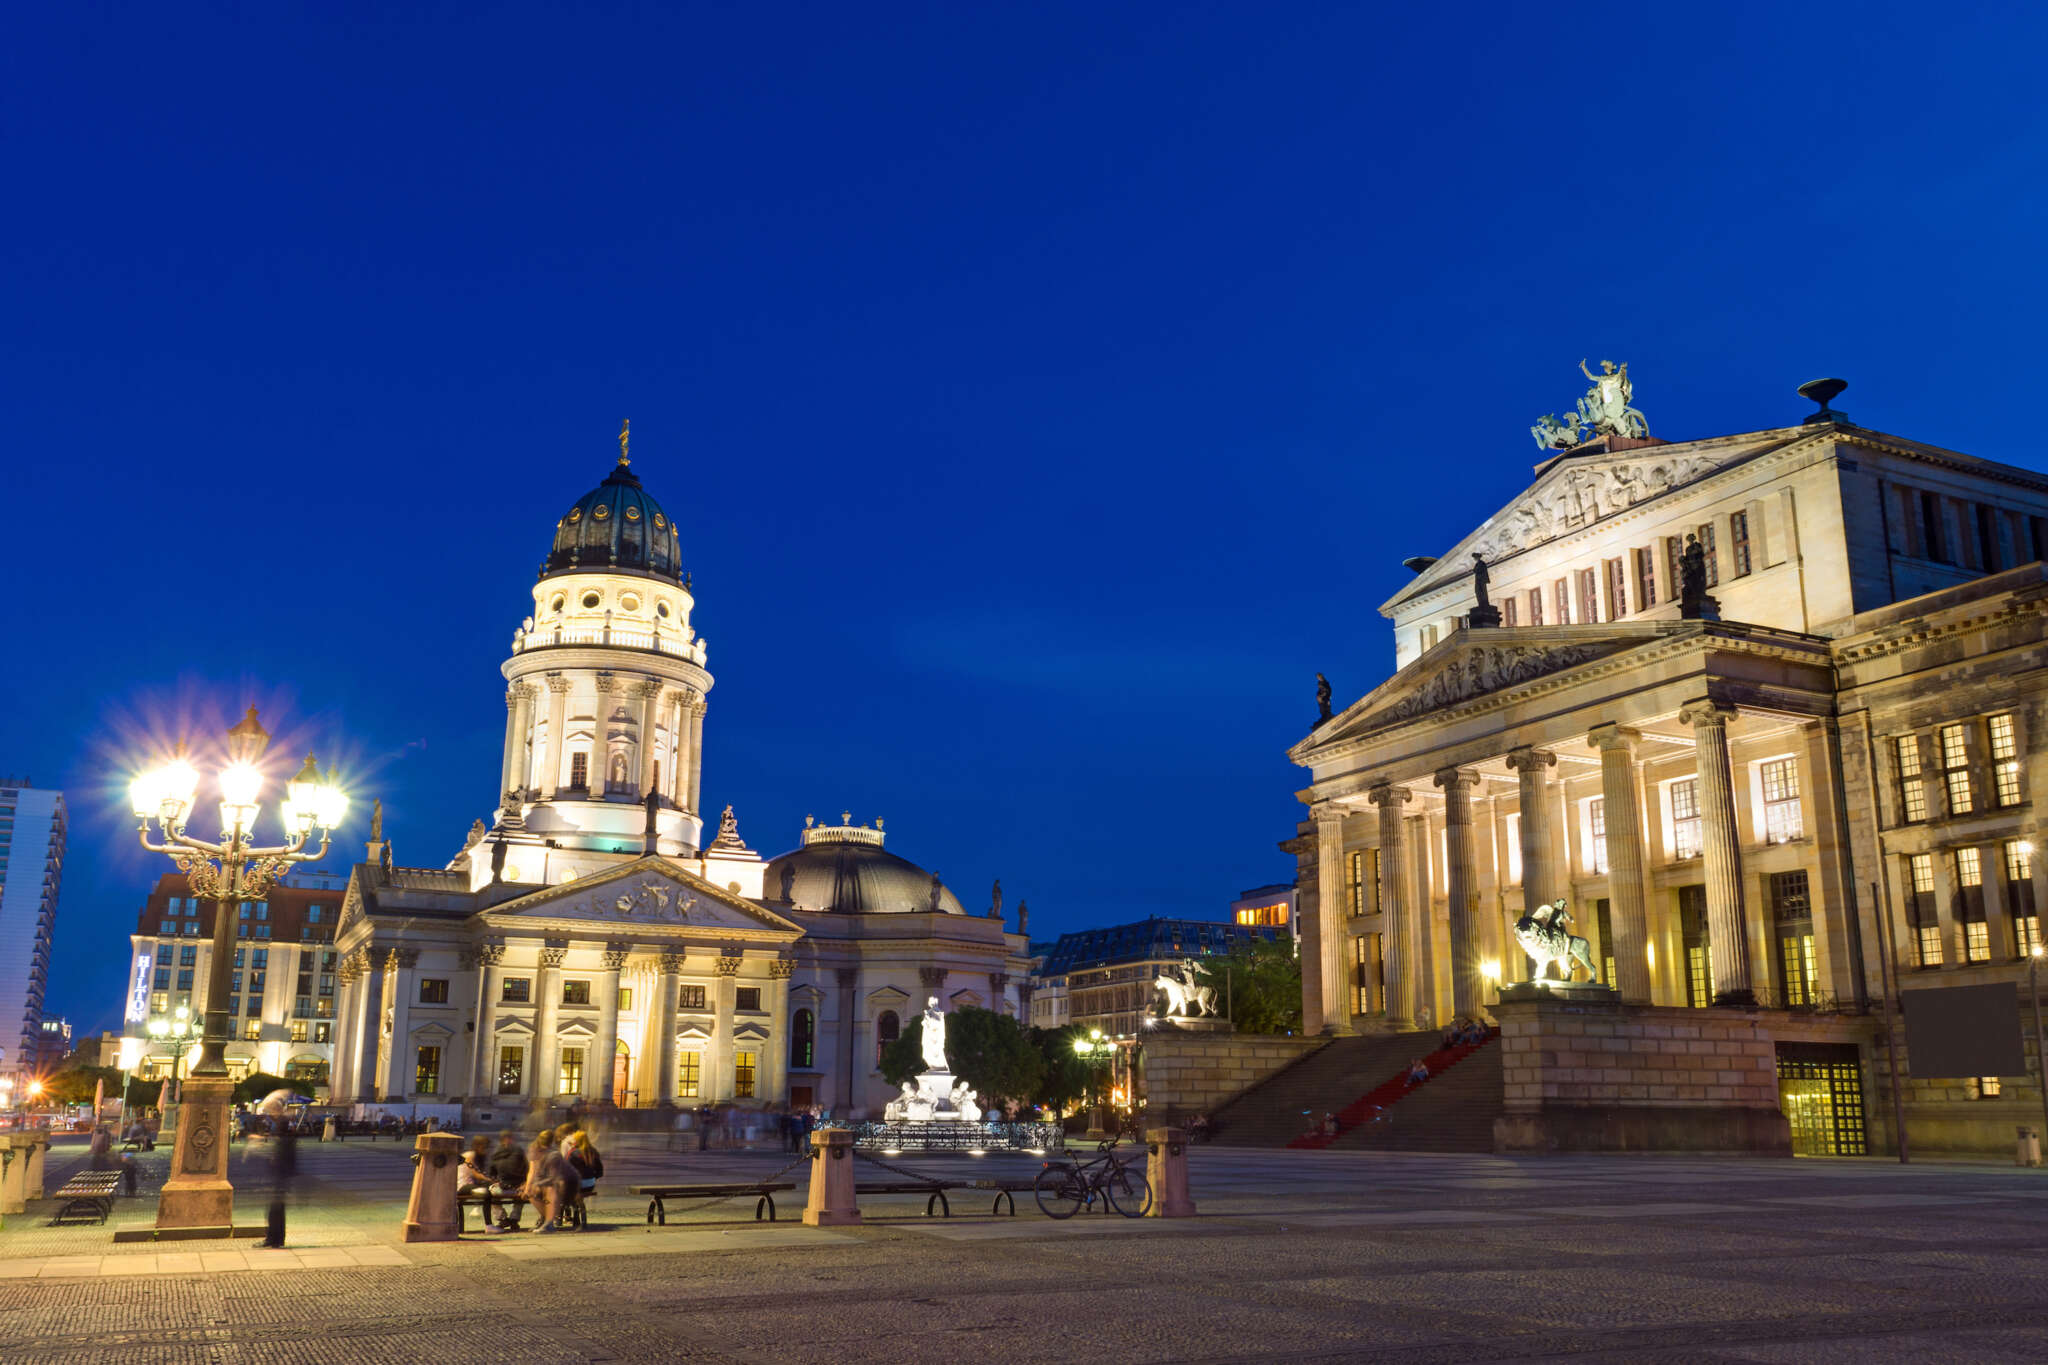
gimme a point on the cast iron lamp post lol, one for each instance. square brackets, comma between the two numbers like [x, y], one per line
[1095, 1050]
[178, 1030]
[197, 1196]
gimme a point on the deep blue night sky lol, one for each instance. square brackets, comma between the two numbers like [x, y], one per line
[1045, 392]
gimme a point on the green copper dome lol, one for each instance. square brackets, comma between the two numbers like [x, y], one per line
[616, 528]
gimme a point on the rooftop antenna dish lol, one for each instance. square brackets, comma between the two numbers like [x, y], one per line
[1824, 392]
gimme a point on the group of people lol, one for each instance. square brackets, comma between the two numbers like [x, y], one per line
[556, 1173]
[796, 1129]
[1468, 1031]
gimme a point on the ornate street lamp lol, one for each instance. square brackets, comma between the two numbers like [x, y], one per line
[197, 1195]
[177, 1029]
[1096, 1051]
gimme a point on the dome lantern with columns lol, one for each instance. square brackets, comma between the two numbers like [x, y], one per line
[605, 699]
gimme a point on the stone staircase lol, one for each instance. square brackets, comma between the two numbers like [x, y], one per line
[1451, 1112]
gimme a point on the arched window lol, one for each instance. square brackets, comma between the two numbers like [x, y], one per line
[887, 1029]
[803, 1038]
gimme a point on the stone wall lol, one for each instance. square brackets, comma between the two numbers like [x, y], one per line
[1196, 1074]
[1602, 1076]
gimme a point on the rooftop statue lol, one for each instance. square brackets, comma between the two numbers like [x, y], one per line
[1322, 698]
[1605, 408]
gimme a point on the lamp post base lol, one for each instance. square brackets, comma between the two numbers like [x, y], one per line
[197, 1194]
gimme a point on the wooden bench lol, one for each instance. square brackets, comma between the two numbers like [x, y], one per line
[1006, 1192]
[764, 1192]
[88, 1193]
[933, 1190]
[475, 1195]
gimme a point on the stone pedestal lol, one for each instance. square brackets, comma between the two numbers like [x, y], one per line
[32, 1173]
[432, 1214]
[831, 1203]
[13, 1170]
[197, 1199]
[1210, 1024]
[1166, 1168]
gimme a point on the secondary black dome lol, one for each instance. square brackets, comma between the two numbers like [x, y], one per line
[844, 870]
[616, 527]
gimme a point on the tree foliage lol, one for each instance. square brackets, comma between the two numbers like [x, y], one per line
[1067, 1077]
[74, 1085]
[1259, 982]
[991, 1052]
[257, 1084]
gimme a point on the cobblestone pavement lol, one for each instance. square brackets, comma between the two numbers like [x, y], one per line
[1296, 1255]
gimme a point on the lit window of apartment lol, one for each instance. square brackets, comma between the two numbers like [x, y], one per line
[2005, 760]
[1561, 595]
[2019, 895]
[1985, 1087]
[1926, 922]
[1507, 611]
[1792, 911]
[1589, 597]
[1617, 590]
[1955, 769]
[1968, 866]
[1782, 822]
[689, 1074]
[1535, 606]
[1912, 784]
[1354, 881]
[1685, 818]
[1706, 535]
[1738, 542]
[1646, 578]
[1596, 835]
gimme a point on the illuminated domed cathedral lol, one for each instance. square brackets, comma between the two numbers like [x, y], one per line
[591, 942]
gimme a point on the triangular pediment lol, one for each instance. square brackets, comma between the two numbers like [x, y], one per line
[1473, 664]
[1574, 491]
[650, 893]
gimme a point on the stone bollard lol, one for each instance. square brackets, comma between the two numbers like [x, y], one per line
[433, 1215]
[831, 1202]
[1166, 1167]
[327, 1130]
[32, 1178]
[2029, 1153]
[13, 1167]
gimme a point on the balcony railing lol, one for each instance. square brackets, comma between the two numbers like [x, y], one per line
[655, 640]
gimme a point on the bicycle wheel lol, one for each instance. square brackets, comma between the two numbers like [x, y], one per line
[1130, 1193]
[1059, 1191]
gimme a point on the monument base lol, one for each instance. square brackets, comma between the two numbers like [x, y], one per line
[1205, 1023]
[1563, 992]
[196, 1195]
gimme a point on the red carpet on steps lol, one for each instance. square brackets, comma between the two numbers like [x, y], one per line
[1388, 1092]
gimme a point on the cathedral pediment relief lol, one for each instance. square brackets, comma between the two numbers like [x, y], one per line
[1463, 670]
[651, 893]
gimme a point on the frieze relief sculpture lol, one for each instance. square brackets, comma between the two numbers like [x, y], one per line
[1488, 668]
[652, 900]
[1580, 497]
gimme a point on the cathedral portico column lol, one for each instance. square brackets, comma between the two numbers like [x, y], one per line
[1324, 1008]
[1468, 984]
[849, 983]
[718, 1074]
[341, 1069]
[696, 754]
[369, 1028]
[646, 710]
[553, 766]
[1720, 846]
[490, 960]
[1626, 860]
[398, 1074]
[606, 1062]
[546, 1014]
[518, 724]
[1539, 869]
[1398, 967]
[773, 1085]
[671, 966]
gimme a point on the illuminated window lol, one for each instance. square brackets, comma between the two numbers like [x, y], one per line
[1354, 883]
[1617, 590]
[1955, 769]
[299, 1030]
[252, 1028]
[575, 992]
[1646, 578]
[1985, 1087]
[1920, 908]
[689, 1074]
[1674, 560]
[1706, 535]
[516, 990]
[743, 1075]
[572, 1072]
[1929, 940]
[579, 769]
[1507, 611]
[1596, 835]
[2019, 894]
[426, 1071]
[1976, 941]
[1589, 597]
[1561, 596]
[1535, 606]
[1912, 784]
[625, 998]
[690, 997]
[1738, 542]
[1685, 817]
[1364, 958]
[1782, 822]
[2005, 760]
[511, 1070]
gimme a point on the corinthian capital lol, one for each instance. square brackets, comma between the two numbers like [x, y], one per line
[1706, 712]
[1387, 794]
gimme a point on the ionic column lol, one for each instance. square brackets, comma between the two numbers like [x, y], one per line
[1468, 985]
[1721, 846]
[546, 1014]
[398, 1076]
[671, 966]
[696, 754]
[1630, 918]
[1397, 970]
[608, 1023]
[1539, 871]
[648, 696]
[558, 724]
[490, 957]
[1324, 1008]
[718, 1070]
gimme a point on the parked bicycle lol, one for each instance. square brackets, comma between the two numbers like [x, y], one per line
[1064, 1187]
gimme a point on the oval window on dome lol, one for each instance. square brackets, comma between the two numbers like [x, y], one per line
[601, 511]
[632, 513]
[661, 610]
[591, 599]
[557, 605]
[658, 522]
[630, 602]
[575, 515]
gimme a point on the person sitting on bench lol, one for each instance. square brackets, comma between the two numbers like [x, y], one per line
[509, 1168]
[474, 1172]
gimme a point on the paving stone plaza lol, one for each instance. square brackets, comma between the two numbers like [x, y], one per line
[1295, 1255]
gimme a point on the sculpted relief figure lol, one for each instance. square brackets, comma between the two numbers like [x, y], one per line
[932, 1041]
[1484, 670]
